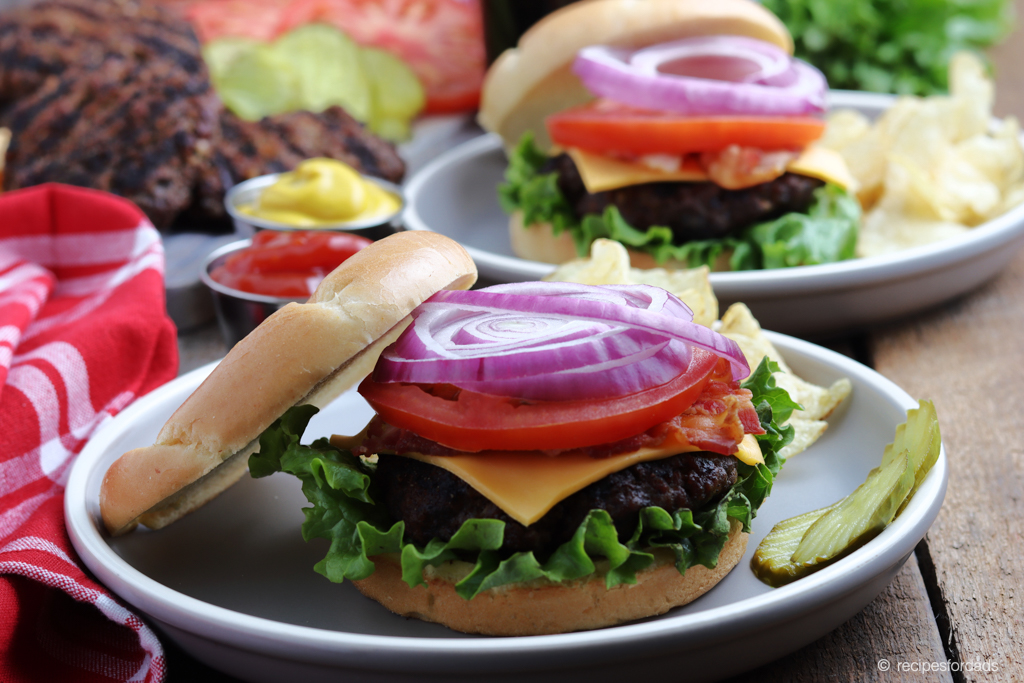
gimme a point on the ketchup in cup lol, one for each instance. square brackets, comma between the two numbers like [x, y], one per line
[287, 264]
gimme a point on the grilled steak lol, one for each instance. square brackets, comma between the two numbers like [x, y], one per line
[434, 503]
[694, 211]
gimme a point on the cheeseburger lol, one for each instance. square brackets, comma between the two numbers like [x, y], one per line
[682, 128]
[545, 457]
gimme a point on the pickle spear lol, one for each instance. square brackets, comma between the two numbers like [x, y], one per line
[772, 561]
[860, 516]
[803, 544]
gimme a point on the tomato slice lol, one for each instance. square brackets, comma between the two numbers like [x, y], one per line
[256, 19]
[606, 127]
[441, 40]
[471, 422]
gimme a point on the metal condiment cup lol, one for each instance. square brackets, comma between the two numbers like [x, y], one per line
[249, 191]
[238, 312]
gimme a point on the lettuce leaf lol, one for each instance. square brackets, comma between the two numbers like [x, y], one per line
[536, 194]
[825, 234]
[340, 488]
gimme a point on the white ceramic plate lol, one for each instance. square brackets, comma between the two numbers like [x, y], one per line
[233, 583]
[456, 196]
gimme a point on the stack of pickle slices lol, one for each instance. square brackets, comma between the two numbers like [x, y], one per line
[314, 67]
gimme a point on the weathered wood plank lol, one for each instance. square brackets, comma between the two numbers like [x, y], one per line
[969, 358]
[896, 627]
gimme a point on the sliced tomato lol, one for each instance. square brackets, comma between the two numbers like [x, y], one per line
[257, 19]
[468, 421]
[441, 40]
[607, 128]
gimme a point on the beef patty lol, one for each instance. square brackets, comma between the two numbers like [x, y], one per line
[694, 211]
[434, 502]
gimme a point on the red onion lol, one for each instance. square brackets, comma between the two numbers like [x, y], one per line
[552, 341]
[706, 75]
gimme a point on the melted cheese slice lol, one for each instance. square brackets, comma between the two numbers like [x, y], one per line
[525, 485]
[601, 173]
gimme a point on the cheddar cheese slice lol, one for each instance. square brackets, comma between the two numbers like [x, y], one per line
[601, 173]
[525, 485]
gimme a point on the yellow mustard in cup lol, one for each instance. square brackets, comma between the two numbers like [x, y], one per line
[322, 192]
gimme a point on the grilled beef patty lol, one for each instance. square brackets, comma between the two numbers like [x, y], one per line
[434, 502]
[694, 211]
[142, 132]
[51, 36]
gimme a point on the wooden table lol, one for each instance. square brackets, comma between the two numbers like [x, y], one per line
[956, 598]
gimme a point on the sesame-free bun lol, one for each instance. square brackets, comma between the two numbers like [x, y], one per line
[303, 353]
[529, 82]
[542, 607]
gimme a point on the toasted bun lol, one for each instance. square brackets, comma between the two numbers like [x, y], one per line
[527, 83]
[303, 353]
[542, 607]
[538, 242]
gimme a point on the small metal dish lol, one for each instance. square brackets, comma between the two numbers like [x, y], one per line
[249, 191]
[238, 312]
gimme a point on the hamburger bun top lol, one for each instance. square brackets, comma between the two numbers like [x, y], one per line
[529, 82]
[303, 353]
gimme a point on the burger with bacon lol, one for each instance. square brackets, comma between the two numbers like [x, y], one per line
[682, 128]
[545, 457]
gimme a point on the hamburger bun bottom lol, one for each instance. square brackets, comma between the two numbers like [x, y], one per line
[542, 607]
[538, 242]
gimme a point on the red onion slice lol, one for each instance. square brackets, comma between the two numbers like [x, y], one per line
[706, 75]
[552, 341]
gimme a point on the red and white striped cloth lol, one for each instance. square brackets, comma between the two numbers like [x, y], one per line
[83, 332]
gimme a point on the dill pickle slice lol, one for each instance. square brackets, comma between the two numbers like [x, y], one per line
[860, 516]
[771, 562]
[328, 69]
[220, 53]
[257, 83]
[397, 93]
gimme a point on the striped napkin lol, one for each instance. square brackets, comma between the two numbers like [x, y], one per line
[83, 332]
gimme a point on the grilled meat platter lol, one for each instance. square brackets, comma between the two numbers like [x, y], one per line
[114, 95]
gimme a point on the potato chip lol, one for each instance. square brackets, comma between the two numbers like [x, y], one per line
[931, 168]
[608, 264]
[818, 402]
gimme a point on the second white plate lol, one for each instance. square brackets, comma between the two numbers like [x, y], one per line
[456, 195]
[233, 583]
